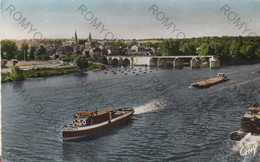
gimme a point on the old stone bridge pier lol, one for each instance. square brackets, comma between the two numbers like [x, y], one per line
[162, 61]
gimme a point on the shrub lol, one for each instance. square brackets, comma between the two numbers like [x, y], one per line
[57, 56]
[17, 74]
[66, 58]
[5, 77]
[82, 62]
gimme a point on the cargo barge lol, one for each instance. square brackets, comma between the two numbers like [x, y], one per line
[250, 123]
[221, 78]
[90, 123]
[251, 120]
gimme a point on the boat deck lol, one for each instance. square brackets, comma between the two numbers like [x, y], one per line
[85, 114]
[88, 118]
[209, 81]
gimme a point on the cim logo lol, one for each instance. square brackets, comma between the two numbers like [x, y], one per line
[249, 150]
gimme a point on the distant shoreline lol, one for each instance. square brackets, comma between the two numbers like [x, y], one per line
[55, 71]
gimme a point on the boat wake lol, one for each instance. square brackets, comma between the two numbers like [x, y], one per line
[248, 147]
[153, 105]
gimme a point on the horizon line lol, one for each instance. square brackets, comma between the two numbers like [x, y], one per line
[128, 38]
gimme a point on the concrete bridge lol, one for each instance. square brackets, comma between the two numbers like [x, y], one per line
[162, 61]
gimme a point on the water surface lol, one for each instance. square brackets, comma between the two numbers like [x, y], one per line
[194, 125]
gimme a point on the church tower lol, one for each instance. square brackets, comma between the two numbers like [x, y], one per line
[76, 38]
[89, 37]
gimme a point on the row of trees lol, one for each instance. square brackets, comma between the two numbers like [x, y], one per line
[230, 49]
[117, 44]
[9, 50]
[123, 44]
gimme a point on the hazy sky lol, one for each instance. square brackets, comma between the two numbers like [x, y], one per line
[129, 18]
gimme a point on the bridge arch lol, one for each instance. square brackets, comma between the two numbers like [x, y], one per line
[115, 62]
[175, 61]
[126, 62]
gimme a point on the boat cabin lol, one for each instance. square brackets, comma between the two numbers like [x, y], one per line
[87, 114]
[255, 109]
[222, 75]
[86, 118]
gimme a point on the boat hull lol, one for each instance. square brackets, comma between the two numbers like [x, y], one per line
[237, 136]
[251, 126]
[89, 131]
[208, 85]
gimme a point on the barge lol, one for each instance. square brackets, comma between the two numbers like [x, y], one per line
[250, 123]
[90, 123]
[251, 120]
[221, 78]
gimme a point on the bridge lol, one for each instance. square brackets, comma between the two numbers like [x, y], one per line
[162, 61]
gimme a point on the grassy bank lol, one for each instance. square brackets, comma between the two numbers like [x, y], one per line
[18, 74]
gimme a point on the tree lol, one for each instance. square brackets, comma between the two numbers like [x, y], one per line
[42, 54]
[247, 52]
[66, 58]
[32, 52]
[17, 73]
[224, 54]
[24, 52]
[235, 50]
[188, 49]
[150, 44]
[82, 62]
[117, 44]
[170, 48]
[257, 53]
[8, 49]
[205, 49]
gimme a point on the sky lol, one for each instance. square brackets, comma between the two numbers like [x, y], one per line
[129, 19]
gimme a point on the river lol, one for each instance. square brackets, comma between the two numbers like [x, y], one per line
[172, 122]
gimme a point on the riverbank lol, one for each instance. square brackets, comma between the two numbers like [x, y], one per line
[44, 72]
